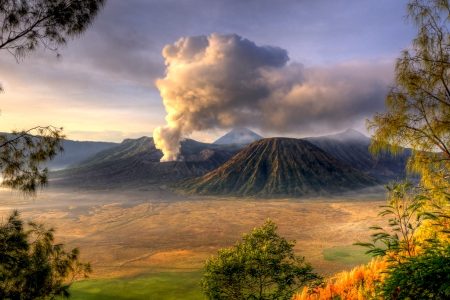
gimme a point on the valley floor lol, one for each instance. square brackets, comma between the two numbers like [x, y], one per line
[155, 234]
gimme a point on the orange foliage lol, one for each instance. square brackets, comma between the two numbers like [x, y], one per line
[357, 284]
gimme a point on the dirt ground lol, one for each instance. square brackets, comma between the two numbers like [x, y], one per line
[130, 233]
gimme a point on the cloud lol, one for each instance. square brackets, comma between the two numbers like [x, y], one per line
[222, 81]
[114, 64]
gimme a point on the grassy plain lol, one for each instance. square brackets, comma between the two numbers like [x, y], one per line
[348, 254]
[162, 285]
[152, 244]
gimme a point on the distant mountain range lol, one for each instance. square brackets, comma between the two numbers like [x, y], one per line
[276, 167]
[74, 152]
[267, 167]
[135, 163]
[77, 151]
[352, 148]
[238, 136]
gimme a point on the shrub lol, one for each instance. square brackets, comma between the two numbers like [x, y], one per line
[358, 284]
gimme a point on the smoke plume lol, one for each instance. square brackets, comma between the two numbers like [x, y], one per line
[223, 81]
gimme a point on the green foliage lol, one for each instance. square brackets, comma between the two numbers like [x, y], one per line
[262, 266]
[28, 24]
[426, 276]
[32, 266]
[405, 211]
[22, 153]
[418, 106]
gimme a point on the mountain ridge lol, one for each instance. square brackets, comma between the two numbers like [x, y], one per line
[136, 163]
[352, 148]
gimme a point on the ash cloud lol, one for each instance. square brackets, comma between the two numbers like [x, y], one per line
[223, 81]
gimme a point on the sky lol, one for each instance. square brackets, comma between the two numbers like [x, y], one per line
[325, 66]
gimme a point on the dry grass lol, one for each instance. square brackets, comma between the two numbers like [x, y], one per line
[125, 234]
[357, 284]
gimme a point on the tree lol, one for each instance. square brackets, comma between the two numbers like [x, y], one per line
[25, 25]
[32, 265]
[418, 106]
[22, 153]
[418, 116]
[262, 266]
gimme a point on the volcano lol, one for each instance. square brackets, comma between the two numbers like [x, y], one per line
[280, 167]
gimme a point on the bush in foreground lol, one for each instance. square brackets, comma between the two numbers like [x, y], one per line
[426, 276]
[261, 266]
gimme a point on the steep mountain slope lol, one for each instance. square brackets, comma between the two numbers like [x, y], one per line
[279, 167]
[239, 136]
[352, 148]
[135, 163]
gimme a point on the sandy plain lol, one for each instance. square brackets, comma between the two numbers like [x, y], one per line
[125, 233]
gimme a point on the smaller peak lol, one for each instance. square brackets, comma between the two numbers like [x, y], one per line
[348, 135]
[351, 130]
[241, 130]
[344, 136]
[352, 133]
[239, 135]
